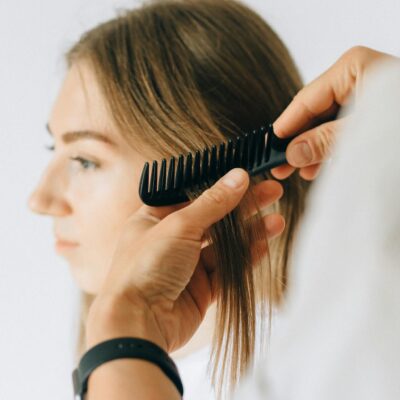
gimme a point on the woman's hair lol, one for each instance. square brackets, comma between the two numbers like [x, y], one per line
[181, 75]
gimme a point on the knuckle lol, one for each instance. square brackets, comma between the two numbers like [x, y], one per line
[355, 52]
[215, 195]
[180, 226]
[179, 222]
[358, 49]
[356, 59]
[299, 94]
[324, 141]
[300, 97]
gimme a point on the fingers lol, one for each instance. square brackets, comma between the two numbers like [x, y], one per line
[274, 226]
[309, 150]
[313, 100]
[332, 88]
[283, 171]
[317, 98]
[311, 172]
[268, 226]
[212, 205]
[313, 146]
[266, 193]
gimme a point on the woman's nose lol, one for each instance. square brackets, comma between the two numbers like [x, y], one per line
[48, 197]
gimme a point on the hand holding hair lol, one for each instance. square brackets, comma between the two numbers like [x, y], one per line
[159, 285]
[313, 111]
[158, 272]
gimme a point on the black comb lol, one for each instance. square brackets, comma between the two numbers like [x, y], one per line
[250, 151]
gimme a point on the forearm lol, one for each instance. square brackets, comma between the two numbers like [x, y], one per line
[125, 378]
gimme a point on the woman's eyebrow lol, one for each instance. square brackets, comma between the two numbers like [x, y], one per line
[73, 136]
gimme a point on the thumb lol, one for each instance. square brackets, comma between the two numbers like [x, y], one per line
[213, 204]
[313, 146]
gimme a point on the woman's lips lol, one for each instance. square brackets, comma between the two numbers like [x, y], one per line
[61, 244]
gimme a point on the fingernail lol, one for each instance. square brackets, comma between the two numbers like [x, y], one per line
[233, 179]
[301, 153]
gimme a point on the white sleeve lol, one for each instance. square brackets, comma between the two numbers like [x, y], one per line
[341, 333]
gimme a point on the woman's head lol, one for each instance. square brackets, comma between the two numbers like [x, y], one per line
[167, 78]
[89, 198]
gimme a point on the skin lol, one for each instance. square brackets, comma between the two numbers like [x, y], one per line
[312, 115]
[90, 205]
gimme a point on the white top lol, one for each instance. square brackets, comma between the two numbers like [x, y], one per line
[193, 371]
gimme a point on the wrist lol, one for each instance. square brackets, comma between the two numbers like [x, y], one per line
[115, 316]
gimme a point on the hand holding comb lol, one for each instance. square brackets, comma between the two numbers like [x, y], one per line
[255, 152]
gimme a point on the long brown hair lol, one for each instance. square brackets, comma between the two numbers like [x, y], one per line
[181, 75]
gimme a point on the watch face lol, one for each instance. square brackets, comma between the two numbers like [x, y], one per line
[78, 397]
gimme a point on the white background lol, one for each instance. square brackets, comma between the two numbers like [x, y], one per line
[38, 303]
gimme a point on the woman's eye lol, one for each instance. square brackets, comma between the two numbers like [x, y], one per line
[84, 163]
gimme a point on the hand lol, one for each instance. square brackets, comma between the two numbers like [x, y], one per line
[316, 105]
[161, 280]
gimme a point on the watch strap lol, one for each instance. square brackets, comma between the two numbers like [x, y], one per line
[124, 347]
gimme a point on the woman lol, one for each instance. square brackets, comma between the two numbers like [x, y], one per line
[168, 78]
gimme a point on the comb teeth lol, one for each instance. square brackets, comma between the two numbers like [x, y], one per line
[245, 152]
[153, 180]
[196, 168]
[252, 147]
[204, 166]
[236, 153]
[179, 174]
[250, 151]
[171, 172]
[163, 176]
[213, 164]
[188, 170]
[229, 156]
[260, 143]
[221, 159]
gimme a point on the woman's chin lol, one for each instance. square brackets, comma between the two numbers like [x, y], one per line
[84, 279]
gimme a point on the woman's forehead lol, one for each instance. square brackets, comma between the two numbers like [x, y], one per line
[80, 105]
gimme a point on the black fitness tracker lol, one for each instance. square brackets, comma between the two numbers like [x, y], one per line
[124, 347]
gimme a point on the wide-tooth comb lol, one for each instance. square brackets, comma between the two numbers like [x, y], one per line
[249, 151]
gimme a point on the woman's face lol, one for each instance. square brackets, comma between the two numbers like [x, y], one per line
[88, 200]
